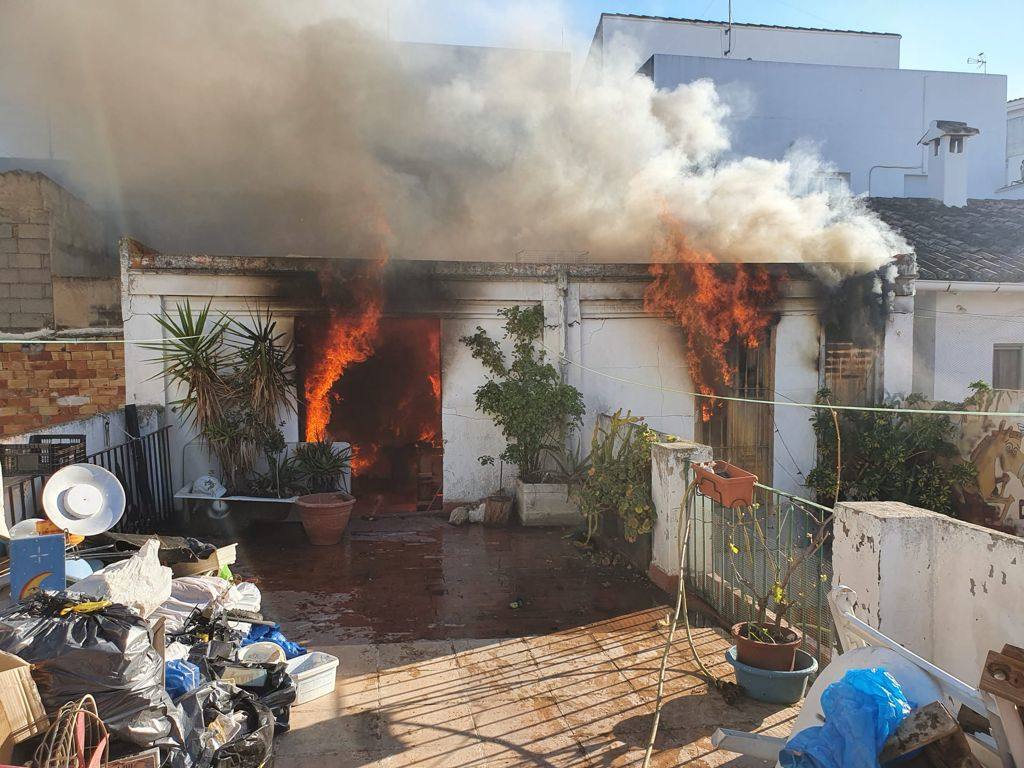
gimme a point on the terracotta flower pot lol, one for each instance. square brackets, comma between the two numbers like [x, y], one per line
[726, 483]
[778, 656]
[325, 516]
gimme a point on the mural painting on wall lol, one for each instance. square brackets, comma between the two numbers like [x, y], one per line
[994, 447]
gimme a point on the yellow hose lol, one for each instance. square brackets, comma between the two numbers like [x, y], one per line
[683, 537]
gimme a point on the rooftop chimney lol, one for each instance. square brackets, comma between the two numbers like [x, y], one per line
[947, 163]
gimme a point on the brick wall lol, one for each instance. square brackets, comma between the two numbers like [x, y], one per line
[47, 384]
[52, 243]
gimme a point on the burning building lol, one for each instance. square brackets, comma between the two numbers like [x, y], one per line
[380, 364]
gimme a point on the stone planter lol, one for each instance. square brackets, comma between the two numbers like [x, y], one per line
[325, 516]
[542, 504]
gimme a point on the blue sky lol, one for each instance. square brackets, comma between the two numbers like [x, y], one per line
[937, 34]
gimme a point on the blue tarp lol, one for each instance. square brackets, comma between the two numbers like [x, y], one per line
[861, 712]
[182, 677]
[261, 633]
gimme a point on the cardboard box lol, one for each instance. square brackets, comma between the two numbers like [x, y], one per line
[21, 710]
[212, 564]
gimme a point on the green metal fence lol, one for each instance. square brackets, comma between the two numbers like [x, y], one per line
[728, 562]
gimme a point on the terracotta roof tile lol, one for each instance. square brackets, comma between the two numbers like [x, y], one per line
[983, 241]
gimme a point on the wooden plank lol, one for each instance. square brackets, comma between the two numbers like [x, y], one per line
[933, 730]
[1003, 676]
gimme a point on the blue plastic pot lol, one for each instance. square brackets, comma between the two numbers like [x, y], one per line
[771, 686]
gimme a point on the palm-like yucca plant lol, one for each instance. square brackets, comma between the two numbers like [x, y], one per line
[264, 366]
[237, 378]
[193, 357]
[320, 465]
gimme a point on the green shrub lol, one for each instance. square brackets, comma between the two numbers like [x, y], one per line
[905, 457]
[618, 481]
[525, 395]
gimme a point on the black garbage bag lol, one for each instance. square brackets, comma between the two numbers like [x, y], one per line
[108, 653]
[273, 686]
[252, 747]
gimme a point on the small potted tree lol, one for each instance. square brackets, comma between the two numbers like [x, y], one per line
[323, 509]
[536, 411]
[767, 659]
[497, 506]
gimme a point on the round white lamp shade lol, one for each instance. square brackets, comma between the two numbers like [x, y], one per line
[84, 499]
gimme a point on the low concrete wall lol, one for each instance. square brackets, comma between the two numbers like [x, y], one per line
[101, 431]
[948, 590]
[668, 486]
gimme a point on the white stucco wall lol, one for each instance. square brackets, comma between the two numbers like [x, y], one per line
[949, 591]
[1014, 140]
[858, 116]
[898, 353]
[467, 433]
[621, 342]
[620, 358]
[693, 38]
[962, 327]
[797, 344]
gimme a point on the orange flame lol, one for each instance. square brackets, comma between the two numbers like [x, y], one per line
[348, 338]
[714, 304]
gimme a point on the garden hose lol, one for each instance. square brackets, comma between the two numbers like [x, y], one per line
[724, 686]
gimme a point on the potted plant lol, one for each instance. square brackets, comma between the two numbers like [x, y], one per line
[766, 653]
[535, 410]
[498, 506]
[615, 478]
[323, 509]
[236, 382]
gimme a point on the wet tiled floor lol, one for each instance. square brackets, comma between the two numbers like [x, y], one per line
[437, 670]
[415, 577]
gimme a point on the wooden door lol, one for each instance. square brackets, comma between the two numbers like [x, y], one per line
[743, 433]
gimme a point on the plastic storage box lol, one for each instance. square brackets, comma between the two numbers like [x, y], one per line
[313, 675]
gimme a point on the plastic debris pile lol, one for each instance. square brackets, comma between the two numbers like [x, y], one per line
[181, 670]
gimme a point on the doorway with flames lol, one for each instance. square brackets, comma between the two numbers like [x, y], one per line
[741, 432]
[375, 382]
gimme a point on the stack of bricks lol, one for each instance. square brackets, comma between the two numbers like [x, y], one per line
[26, 286]
[46, 384]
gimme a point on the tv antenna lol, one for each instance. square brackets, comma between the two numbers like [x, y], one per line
[728, 31]
[980, 62]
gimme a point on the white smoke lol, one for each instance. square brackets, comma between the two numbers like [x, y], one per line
[250, 127]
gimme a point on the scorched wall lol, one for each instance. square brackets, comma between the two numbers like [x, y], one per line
[619, 356]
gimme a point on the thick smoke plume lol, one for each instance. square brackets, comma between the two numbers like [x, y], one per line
[248, 127]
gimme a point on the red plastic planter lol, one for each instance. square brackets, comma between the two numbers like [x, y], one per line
[726, 483]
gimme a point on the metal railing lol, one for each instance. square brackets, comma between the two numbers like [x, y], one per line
[729, 563]
[142, 465]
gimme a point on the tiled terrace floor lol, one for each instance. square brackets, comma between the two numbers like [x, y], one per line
[437, 670]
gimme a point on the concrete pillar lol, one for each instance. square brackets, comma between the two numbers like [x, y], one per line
[796, 380]
[882, 551]
[668, 487]
[898, 362]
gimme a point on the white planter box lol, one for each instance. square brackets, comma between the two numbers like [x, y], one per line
[546, 504]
